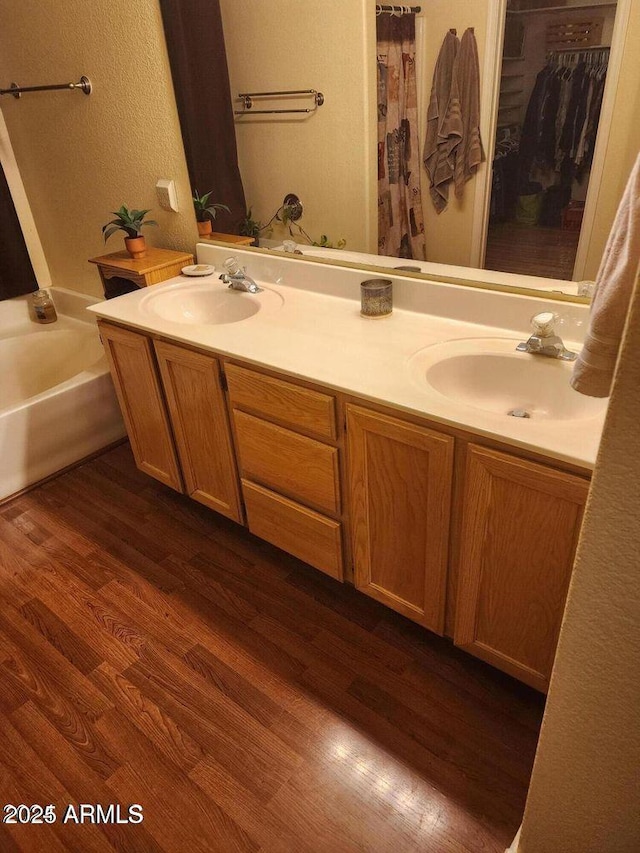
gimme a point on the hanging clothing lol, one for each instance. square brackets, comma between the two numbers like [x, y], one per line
[469, 153]
[444, 130]
[400, 217]
[561, 121]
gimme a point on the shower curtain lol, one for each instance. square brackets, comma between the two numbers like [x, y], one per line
[400, 219]
[16, 273]
[195, 43]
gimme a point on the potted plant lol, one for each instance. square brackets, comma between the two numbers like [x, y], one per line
[206, 212]
[250, 227]
[131, 222]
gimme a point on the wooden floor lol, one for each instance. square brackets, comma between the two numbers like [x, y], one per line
[531, 250]
[152, 652]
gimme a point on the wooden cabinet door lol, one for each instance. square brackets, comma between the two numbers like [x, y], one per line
[201, 426]
[520, 527]
[400, 495]
[133, 369]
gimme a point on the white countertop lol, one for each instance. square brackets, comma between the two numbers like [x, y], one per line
[316, 333]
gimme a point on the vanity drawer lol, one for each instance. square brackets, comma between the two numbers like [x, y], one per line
[290, 404]
[306, 534]
[293, 464]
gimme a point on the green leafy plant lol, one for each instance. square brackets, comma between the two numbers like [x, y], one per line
[130, 221]
[250, 227]
[326, 244]
[205, 209]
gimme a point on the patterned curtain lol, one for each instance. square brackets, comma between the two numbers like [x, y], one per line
[400, 219]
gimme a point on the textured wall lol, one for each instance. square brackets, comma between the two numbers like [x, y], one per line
[79, 156]
[329, 158]
[584, 790]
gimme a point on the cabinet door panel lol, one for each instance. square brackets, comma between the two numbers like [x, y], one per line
[133, 369]
[520, 527]
[400, 490]
[199, 416]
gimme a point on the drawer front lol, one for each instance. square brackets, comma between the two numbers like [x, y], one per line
[306, 534]
[300, 408]
[293, 464]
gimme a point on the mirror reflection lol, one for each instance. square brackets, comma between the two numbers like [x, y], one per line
[531, 203]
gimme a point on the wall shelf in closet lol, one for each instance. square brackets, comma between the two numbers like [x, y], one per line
[566, 9]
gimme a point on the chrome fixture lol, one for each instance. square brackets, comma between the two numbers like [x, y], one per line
[84, 85]
[237, 278]
[544, 340]
[294, 205]
[247, 101]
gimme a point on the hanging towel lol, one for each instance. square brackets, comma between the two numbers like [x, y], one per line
[444, 131]
[469, 153]
[595, 366]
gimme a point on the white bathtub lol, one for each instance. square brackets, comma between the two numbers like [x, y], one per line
[57, 403]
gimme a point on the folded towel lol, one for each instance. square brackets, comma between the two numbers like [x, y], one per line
[443, 131]
[595, 366]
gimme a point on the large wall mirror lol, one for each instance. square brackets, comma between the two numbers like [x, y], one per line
[541, 219]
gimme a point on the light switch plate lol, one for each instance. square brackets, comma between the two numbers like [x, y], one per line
[167, 195]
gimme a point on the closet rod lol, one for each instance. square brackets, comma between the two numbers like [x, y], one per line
[398, 10]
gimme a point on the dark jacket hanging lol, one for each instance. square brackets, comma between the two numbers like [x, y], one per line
[16, 273]
[195, 42]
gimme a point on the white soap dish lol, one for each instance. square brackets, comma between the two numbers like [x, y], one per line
[198, 270]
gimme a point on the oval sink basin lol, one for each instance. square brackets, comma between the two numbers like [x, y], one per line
[488, 374]
[207, 303]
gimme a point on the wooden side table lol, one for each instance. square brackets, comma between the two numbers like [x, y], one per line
[120, 273]
[218, 237]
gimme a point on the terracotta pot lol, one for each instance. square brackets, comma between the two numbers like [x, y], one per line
[136, 246]
[204, 228]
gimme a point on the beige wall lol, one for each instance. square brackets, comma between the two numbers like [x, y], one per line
[81, 157]
[584, 790]
[327, 159]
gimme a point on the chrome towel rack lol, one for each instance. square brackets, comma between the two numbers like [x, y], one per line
[84, 85]
[247, 101]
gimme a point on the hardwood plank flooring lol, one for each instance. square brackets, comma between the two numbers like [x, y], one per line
[532, 250]
[154, 652]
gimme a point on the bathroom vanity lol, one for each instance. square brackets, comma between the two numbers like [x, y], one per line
[326, 435]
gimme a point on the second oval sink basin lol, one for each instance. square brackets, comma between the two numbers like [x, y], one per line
[488, 374]
[207, 303]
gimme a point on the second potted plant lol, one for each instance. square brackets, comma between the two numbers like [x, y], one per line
[206, 212]
[131, 222]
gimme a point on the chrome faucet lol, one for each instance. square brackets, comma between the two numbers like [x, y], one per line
[237, 278]
[544, 340]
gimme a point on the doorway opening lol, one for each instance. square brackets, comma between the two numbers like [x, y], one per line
[554, 68]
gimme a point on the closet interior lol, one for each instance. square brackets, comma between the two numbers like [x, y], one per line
[554, 68]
